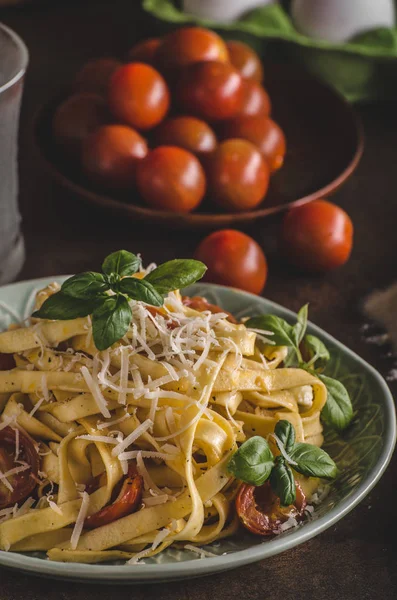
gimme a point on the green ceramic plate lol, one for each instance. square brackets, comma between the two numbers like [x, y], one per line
[362, 454]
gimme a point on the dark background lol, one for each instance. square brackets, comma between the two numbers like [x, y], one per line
[357, 558]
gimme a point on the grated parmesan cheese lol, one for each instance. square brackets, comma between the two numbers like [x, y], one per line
[81, 517]
[132, 437]
[96, 392]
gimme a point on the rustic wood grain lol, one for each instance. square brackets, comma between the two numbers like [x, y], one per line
[357, 558]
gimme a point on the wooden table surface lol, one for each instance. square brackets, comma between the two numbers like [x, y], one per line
[357, 558]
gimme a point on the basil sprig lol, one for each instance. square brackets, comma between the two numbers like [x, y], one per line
[309, 352]
[254, 462]
[106, 295]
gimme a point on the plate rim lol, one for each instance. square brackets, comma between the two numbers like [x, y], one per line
[142, 573]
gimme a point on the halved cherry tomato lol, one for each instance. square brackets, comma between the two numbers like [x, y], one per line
[127, 501]
[318, 236]
[201, 304]
[190, 45]
[24, 482]
[7, 362]
[95, 75]
[145, 51]
[259, 510]
[246, 60]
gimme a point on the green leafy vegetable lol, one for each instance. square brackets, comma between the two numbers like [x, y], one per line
[338, 410]
[110, 322]
[285, 432]
[62, 307]
[283, 332]
[85, 286]
[314, 351]
[141, 289]
[313, 461]
[282, 482]
[176, 274]
[121, 263]
[252, 462]
[299, 329]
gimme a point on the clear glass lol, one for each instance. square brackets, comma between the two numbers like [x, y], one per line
[13, 62]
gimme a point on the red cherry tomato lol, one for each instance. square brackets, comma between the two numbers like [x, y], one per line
[318, 236]
[201, 304]
[188, 133]
[238, 175]
[145, 51]
[139, 96]
[111, 154]
[210, 90]
[127, 502]
[256, 100]
[23, 482]
[190, 45]
[233, 259]
[76, 118]
[259, 510]
[246, 60]
[95, 75]
[262, 132]
[171, 179]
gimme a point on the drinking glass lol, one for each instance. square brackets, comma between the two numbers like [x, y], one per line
[13, 62]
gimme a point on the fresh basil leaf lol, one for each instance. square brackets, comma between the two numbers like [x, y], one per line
[338, 410]
[142, 290]
[283, 333]
[282, 482]
[314, 351]
[285, 432]
[176, 274]
[62, 307]
[252, 462]
[110, 321]
[313, 461]
[301, 325]
[85, 285]
[122, 263]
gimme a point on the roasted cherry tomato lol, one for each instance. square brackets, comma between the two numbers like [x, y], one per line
[188, 133]
[234, 259]
[238, 175]
[110, 156]
[190, 45]
[256, 100]
[246, 60]
[145, 51]
[95, 75]
[210, 90]
[201, 304]
[23, 482]
[264, 133]
[318, 236]
[127, 502]
[7, 362]
[76, 118]
[138, 95]
[171, 179]
[259, 510]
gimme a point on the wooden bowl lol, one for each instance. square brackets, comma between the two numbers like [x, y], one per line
[324, 138]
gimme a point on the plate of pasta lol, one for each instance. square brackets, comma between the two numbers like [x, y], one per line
[151, 434]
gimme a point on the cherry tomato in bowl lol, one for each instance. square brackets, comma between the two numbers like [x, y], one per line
[138, 96]
[171, 179]
[145, 52]
[256, 101]
[233, 259]
[111, 154]
[187, 132]
[245, 60]
[210, 90]
[238, 175]
[95, 75]
[317, 237]
[190, 45]
[21, 483]
[259, 509]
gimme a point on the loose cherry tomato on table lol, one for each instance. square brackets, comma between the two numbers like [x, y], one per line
[127, 501]
[317, 236]
[110, 156]
[21, 484]
[256, 101]
[246, 60]
[233, 259]
[171, 179]
[238, 175]
[210, 90]
[145, 51]
[201, 304]
[264, 133]
[95, 75]
[76, 118]
[187, 132]
[259, 509]
[138, 95]
[190, 45]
